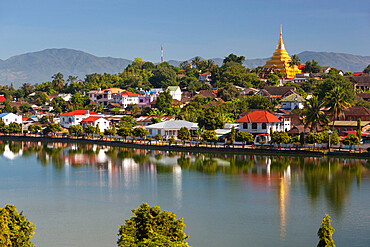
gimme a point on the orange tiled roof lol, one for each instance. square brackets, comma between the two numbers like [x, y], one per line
[129, 94]
[90, 119]
[77, 113]
[259, 116]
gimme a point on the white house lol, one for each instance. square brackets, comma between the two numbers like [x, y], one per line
[8, 117]
[64, 96]
[175, 92]
[205, 76]
[126, 98]
[95, 121]
[292, 101]
[259, 122]
[170, 128]
[75, 117]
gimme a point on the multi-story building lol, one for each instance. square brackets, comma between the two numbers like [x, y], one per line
[75, 117]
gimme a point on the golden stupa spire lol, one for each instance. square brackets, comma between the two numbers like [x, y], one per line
[280, 60]
[281, 45]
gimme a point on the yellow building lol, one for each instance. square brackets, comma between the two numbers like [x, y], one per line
[279, 61]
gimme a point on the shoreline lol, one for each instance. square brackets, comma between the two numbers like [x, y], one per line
[193, 149]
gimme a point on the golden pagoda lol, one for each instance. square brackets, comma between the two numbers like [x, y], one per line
[279, 61]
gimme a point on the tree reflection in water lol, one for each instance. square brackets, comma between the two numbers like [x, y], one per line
[331, 178]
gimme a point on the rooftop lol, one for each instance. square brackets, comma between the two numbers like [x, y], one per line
[77, 113]
[259, 116]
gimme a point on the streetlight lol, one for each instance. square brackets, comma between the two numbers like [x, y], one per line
[329, 132]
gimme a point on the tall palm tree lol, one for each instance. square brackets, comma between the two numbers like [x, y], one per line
[337, 100]
[295, 61]
[313, 115]
[58, 81]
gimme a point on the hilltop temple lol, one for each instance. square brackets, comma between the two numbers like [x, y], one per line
[279, 61]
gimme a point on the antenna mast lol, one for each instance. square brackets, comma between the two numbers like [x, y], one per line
[161, 53]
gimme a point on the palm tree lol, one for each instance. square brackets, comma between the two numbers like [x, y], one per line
[313, 115]
[337, 100]
[58, 81]
[295, 61]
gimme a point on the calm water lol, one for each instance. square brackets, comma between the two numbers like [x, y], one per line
[78, 195]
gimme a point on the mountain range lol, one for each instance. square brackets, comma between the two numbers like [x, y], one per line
[36, 67]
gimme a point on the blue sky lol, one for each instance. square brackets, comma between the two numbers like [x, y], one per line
[129, 29]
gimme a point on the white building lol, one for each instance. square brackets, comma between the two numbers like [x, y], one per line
[75, 117]
[95, 121]
[261, 121]
[126, 98]
[175, 92]
[205, 76]
[292, 101]
[8, 117]
[170, 128]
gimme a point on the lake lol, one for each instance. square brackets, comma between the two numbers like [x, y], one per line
[77, 195]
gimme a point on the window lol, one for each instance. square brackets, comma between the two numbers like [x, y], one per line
[264, 126]
[245, 125]
[254, 126]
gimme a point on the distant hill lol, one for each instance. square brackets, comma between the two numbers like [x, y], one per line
[341, 61]
[37, 67]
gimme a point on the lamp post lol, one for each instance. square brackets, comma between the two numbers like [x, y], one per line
[329, 132]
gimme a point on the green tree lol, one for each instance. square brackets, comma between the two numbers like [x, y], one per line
[351, 140]
[158, 137]
[25, 107]
[58, 81]
[152, 227]
[15, 127]
[15, 228]
[325, 233]
[34, 128]
[90, 130]
[314, 137]
[140, 132]
[232, 135]
[279, 137]
[273, 80]
[311, 67]
[110, 131]
[359, 129]
[334, 138]
[127, 122]
[52, 128]
[295, 61]
[244, 137]
[184, 134]
[210, 120]
[234, 58]
[228, 92]
[163, 77]
[209, 136]
[164, 101]
[313, 115]
[75, 129]
[337, 100]
[124, 132]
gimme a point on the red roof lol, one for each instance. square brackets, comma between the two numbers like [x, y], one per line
[77, 113]
[207, 73]
[357, 73]
[2, 98]
[129, 94]
[259, 116]
[90, 119]
[353, 132]
[301, 66]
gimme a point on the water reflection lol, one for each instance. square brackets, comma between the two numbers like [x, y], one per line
[321, 177]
